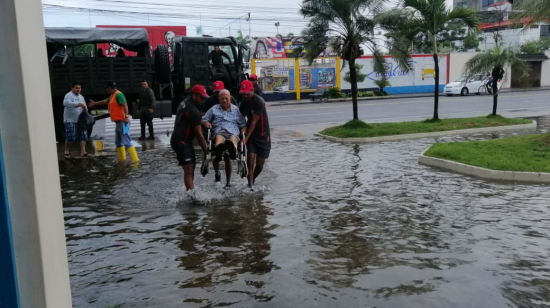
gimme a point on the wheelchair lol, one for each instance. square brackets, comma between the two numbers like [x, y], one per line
[242, 167]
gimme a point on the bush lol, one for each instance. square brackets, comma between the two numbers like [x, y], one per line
[334, 92]
[365, 94]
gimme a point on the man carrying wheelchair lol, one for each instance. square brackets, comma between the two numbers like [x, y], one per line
[227, 123]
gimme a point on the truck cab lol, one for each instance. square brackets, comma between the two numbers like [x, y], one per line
[191, 65]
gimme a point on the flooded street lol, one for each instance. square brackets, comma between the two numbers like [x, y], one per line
[333, 225]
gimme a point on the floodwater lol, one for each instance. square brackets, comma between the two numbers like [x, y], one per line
[332, 225]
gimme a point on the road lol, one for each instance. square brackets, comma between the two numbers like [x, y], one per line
[320, 115]
[403, 109]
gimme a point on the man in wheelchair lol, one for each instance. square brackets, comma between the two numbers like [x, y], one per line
[227, 123]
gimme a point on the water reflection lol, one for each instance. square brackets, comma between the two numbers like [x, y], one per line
[226, 247]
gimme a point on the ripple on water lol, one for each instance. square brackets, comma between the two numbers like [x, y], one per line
[331, 225]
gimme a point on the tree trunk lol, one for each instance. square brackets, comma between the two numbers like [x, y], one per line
[495, 93]
[353, 79]
[436, 90]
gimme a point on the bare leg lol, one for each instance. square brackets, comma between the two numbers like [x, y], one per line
[82, 148]
[189, 176]
[251, 159]
[67, 148]
[228, 169]
[259, 167]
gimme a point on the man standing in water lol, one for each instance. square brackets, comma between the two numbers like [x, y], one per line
[118, 110]
[74, 105]
[258, 139]
[186, 126]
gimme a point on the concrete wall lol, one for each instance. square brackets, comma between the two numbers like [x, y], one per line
[456, 67]
[420, 80]
[545, 74]
[456, 63]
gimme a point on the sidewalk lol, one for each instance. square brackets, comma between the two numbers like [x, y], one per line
[398, 96]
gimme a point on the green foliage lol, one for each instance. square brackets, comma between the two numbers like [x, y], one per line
[360, 76]
[241, 39]
[382, 83]
[347, 26]
[365, 94]
[380, 93]
[471, 41]
[334, 92]
[535, 46]
[496, 61]
[524, 153]
[427, 20]
[361, 129]
[86, 50]
[531, 11]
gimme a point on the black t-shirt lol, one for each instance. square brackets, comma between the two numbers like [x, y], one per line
[212, 101]
[187, 117]
[258, 91]
[256, 106]
[217, 57]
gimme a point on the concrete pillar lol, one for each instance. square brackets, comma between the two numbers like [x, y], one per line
[30, 160]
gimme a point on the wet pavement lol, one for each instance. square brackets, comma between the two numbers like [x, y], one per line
[332, 225]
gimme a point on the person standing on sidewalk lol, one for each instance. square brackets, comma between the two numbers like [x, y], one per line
[118, 110]
[146, 107]
[74, 104]
[257, 89]
[186, 126]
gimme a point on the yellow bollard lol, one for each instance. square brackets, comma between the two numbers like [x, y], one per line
[99, 145]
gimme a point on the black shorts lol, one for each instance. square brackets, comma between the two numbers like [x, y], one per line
[185, 152]
[260, 146]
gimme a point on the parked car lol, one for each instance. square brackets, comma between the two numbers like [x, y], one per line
[468, 84]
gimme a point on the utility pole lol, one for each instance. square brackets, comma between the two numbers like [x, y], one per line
[277, 24]
[249, 27]
[90, 17]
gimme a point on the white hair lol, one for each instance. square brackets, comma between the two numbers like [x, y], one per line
[225, 91]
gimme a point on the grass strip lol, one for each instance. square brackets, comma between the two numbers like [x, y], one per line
[529, 153]
[358, 128]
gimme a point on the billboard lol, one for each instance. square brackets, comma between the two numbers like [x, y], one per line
[280, 47]
[420, 80]
[158, 35]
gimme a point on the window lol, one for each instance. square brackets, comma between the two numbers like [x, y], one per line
[486, 3]
[225, 48]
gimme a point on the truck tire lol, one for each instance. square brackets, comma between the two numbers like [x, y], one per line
[162, 64]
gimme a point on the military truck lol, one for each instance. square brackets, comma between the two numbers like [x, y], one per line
[73, 56]
[191, 65]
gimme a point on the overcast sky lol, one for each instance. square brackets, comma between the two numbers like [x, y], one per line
[217, 17]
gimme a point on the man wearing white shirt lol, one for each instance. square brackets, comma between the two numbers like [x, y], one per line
[74, 105]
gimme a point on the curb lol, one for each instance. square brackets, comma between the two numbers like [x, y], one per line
[488, 174]
[336, 100]
[432, 134]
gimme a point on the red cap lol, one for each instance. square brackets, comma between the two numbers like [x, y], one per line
[246, 86]
[218, 86]
[253, 77]
[199, 90]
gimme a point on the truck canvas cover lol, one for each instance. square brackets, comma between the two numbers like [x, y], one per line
[125, 38]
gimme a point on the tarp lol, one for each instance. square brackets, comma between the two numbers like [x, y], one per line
[126, 38]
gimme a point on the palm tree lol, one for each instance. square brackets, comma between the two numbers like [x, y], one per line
[496, 61]
[345, 26]
[242, 40]
[531, 11]
[426, 19]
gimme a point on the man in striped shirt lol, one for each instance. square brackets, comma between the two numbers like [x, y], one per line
[226, 122]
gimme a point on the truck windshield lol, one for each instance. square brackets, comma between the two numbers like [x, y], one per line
[225, 48]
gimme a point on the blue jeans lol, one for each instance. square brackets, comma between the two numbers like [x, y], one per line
[122, 139]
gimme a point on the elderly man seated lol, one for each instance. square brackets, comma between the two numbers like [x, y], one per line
[227, 123]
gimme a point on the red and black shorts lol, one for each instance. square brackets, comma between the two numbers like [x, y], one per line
[185, 152]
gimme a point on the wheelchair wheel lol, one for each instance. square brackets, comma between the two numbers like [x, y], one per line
[243, 165]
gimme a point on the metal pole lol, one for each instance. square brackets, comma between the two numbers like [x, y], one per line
[90, 17]
[249, 27]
